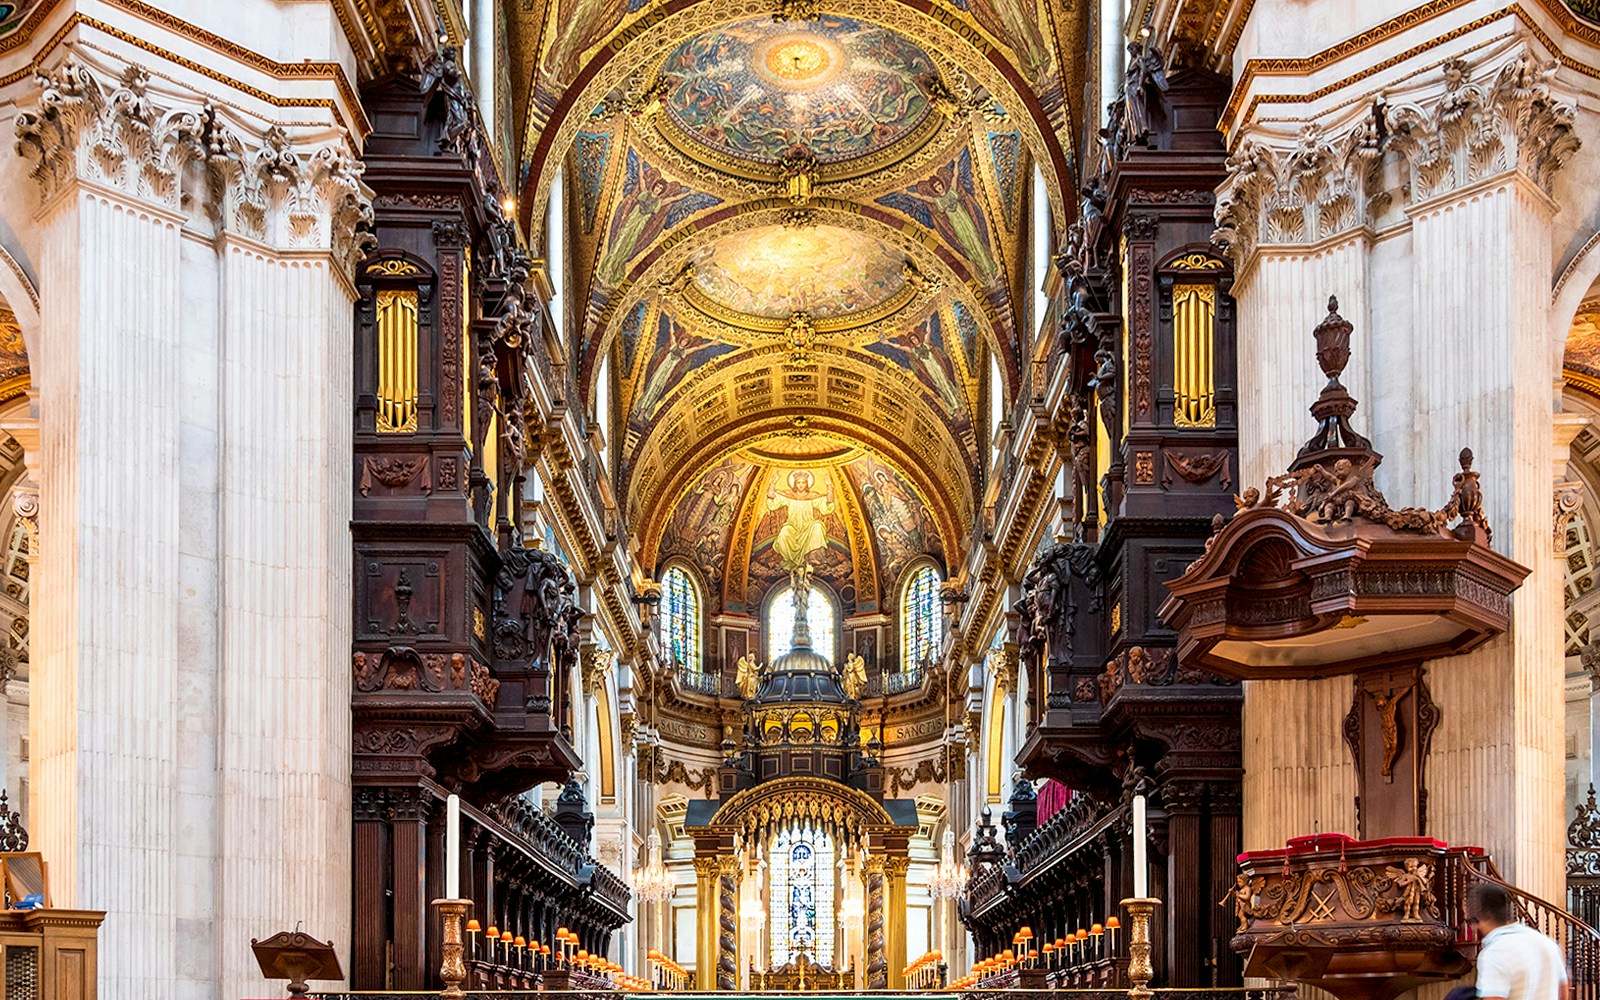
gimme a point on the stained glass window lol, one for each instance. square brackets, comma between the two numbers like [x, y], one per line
[780, 623]
[921, 619]
[680, 620]
[801, 862]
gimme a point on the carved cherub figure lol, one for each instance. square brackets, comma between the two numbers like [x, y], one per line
[1413, 883]
[1242, 896]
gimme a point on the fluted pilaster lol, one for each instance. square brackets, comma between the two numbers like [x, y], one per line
[192, 624]
[1447, 196]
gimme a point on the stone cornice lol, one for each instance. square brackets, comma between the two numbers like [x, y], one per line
[1237, 116]
[347, 108]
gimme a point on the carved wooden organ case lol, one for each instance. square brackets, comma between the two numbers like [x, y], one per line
[463, 638]
[1148, 432]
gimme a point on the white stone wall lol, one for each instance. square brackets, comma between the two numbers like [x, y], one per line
[1443, 232]
[191, 233]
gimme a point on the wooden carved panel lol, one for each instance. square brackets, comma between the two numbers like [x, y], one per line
[401, 597]
[1389, 730]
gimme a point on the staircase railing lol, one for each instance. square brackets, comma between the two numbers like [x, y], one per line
[1578, 940]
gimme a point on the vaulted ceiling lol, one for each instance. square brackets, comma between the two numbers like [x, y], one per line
[798, 238]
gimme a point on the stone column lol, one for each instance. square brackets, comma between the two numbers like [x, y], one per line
[894, 873]
[707, 911]
[877, 954]
[192, 736]
[1456, 356]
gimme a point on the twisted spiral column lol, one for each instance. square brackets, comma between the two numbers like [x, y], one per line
[877, 957]
[727, 923]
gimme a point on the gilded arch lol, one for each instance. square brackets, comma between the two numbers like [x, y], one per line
[647, 40]
[848, 812]
[940, 269]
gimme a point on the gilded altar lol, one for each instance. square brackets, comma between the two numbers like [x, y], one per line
[802, 976]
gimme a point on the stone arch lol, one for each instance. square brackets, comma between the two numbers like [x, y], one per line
[668, 256]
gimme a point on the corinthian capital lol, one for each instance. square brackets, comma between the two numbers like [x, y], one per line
[186, 156]
[1326, 182]
[289, 196]
[1478, 130]
[117, 136]
[1317, 187]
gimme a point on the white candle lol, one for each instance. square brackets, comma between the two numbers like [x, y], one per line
[1141, 860]
[452, 848]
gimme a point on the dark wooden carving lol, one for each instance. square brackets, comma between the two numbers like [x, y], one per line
[1389, 730]
[1364, 920]
[463, 635]
[1114, 706]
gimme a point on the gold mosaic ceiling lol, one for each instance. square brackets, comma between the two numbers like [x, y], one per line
[793, 233]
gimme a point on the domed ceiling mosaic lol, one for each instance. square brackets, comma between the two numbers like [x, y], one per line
[776, 271]
[1581, 363]
[836, 87]
[753, 515]
[12, 13]
[798, 250]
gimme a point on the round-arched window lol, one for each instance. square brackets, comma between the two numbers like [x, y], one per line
[680, 619]
[921, 619]
[819, 618]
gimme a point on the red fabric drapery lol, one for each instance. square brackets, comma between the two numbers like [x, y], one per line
[1053, 797]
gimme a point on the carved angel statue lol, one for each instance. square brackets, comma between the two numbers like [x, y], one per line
[1242, 896]
[854, 676]
[1414, 883]
[747, 676]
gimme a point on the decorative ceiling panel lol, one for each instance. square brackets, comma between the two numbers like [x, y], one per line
[834, 86]
[776, 271]
[899, 521]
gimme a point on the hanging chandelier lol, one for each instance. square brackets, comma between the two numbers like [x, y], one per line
[653, 882]
[950, 876]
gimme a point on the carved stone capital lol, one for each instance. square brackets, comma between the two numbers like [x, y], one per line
[1565, 501]
[25, 505]
[187, 155]
[1324, 184]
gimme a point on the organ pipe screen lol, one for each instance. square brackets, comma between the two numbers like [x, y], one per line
[1194, 384]
[397, 362]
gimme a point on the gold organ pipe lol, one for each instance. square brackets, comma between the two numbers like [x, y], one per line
[397, 361]
[1194, 362]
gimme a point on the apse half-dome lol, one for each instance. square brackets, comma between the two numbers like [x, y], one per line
[838, 87]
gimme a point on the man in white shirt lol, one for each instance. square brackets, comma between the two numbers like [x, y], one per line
[1516, 962]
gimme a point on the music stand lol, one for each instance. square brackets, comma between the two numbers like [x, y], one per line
[296, 957]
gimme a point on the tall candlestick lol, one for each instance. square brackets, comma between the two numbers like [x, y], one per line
[1141, 842]
[452, 848]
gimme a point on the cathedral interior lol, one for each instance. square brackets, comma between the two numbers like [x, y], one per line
[796, 495]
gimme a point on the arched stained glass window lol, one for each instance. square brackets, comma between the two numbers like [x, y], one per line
[802, 865]
[680, 619]
[780, 623]
[921, 619]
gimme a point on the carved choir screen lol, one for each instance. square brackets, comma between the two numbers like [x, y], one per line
[680, 619]
[1194, 385]
[921, 620]
[801, 895]
[397, 359]
[819, 618]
